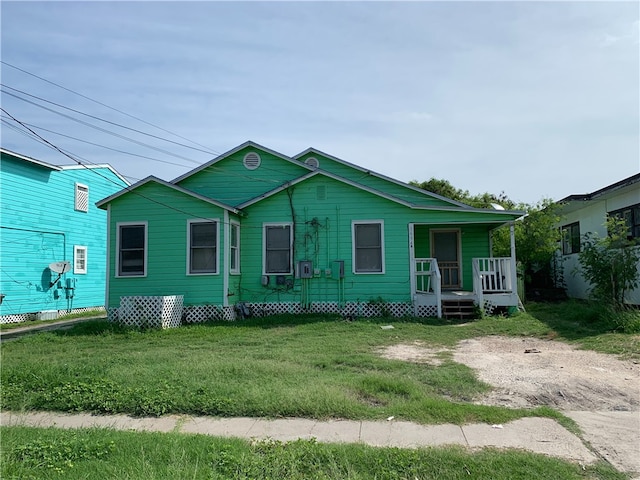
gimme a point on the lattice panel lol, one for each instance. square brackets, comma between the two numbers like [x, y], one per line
[489, 307]
[324, 307]
[427, 311]
[202, 313]
[151, 311]
[228, 313]
[17, 318]
[274, 308]
[98, 310]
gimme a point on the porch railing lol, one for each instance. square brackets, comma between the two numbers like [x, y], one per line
[428, 279]
[492, 275]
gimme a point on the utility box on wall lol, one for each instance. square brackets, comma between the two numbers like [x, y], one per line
[337, 269]
[305, 269]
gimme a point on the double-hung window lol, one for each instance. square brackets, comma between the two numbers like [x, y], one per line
[277, 242]
[203, 247]
[368, 246]
[132, 249]
[79, 259]
[234, 247]
[571, 238]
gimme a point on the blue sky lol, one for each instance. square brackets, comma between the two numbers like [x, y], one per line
[536, 99]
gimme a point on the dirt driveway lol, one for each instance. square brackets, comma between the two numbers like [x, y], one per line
[600, 392]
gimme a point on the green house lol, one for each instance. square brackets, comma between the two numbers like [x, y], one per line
[258, 232]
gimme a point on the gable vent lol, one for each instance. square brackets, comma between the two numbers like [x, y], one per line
[251, 161]
[312, 162]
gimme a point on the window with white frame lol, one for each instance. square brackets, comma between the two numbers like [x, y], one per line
[368, 246]
[234, 248]
[203, 246]
[82, 198]
[278, 242]
[132, 249]
[79, 259]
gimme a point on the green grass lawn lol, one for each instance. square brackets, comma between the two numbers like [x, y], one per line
[48, 453]
[316, 367]
[313, 366]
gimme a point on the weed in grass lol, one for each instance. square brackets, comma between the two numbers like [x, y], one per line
[60, 454]
[316, 367]
[105, 454]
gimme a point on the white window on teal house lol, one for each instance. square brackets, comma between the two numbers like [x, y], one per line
[203, 247]
[368, 246]
[277, 240]
[571, 238]
[131, 241]
[79, 259]
[82, 198]
[234, 248]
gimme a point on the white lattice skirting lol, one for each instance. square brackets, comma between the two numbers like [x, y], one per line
[148, 311]
[354, 309]
[27, 317]
[167, 311]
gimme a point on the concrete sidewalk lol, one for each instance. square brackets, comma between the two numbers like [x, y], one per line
[539, 435]
[54, 325]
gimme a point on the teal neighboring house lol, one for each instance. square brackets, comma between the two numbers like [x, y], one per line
[52, 237]
[256, 232]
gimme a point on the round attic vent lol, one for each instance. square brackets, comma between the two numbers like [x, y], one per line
[312, 162]
[251, 161]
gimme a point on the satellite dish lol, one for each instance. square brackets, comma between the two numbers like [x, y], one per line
[60, 267]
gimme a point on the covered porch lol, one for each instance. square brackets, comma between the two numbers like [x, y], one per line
[447, 277]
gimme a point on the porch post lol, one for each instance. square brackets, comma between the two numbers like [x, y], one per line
[412, 270]
[514, 270]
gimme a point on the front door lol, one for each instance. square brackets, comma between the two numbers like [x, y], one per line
[445, 248]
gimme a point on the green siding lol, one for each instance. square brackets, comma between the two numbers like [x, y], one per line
[323, 234]
[391, 188]
[167, 246]
[475, 244]
[228, 181]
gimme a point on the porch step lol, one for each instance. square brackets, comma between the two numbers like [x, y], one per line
[459, 308]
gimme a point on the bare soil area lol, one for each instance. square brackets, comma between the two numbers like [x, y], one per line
[529, 372]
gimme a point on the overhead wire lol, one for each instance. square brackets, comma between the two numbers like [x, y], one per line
[94, 117]
[109, 132]
[128, 188]
[124, 152]
[106, 106]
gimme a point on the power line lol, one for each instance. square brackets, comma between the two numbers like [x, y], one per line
[99, 145]
[97, 118]
[126, 187]
[106, 106]
[109, 132]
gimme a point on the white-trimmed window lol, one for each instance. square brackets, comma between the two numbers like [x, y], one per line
[234, 247]
[277, 240]
[82, 198]
[132, 249]
[202, 241]
[368, 246]
[79, 259]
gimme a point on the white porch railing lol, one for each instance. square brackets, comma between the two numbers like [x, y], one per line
[492, 275]
[428, 279]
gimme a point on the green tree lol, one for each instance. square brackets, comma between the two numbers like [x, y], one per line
[483, 200]
[609, 264]
[536, 234]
